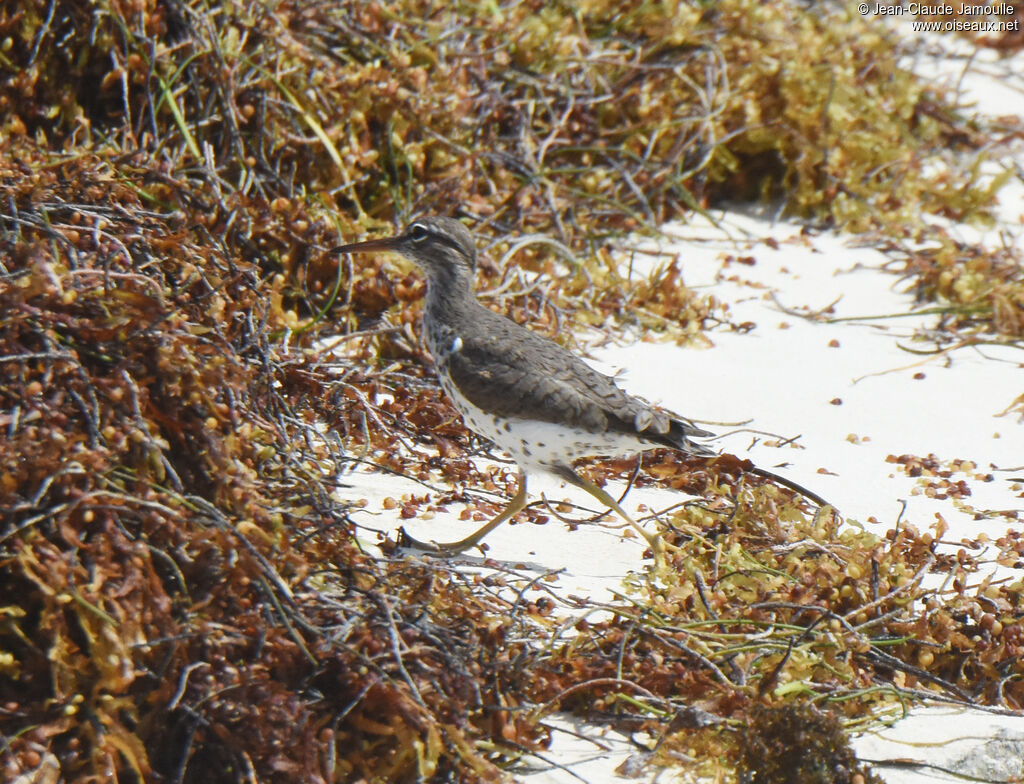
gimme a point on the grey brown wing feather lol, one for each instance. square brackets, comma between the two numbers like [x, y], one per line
[497, 372]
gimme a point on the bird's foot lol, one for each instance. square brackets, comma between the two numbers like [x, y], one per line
[407, 542]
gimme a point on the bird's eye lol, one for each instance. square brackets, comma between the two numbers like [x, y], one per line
[418, 232]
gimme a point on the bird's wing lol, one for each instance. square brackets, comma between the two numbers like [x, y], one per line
[498, 370]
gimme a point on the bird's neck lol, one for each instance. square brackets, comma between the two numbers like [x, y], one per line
[449, 295]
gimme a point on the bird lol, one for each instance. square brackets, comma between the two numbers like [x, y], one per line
[536, 400]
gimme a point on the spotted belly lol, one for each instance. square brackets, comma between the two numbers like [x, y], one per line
[538, 445]
[534, 445]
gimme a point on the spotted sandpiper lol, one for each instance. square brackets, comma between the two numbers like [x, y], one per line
[537, 401]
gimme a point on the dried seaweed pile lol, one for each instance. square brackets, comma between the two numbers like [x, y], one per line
[579, 124]
[181, 589]
[764, 601]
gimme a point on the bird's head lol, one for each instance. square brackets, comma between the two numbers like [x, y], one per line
[441, 247]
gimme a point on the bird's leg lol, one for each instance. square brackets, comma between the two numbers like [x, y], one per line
[454, 548]
[570, 476]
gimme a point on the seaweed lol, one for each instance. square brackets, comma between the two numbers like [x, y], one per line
[184, 587]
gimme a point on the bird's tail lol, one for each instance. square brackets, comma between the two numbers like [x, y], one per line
[680, 433]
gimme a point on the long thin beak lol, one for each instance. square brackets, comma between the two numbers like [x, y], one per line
[385, 243]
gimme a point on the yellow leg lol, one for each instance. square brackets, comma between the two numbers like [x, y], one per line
[454, 548]
[570, 476]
